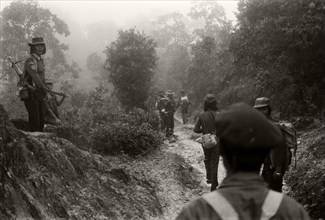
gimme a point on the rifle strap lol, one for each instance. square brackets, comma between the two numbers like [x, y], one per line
[221, 206]
[226, 211]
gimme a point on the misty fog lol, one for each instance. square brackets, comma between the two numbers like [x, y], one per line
[94, 25]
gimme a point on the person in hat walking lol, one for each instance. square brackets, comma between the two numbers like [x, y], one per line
[161, 108]
[170, 110]
[277, 162]
[205, 124]
[184, 103]
[245, 138]
[34, 69]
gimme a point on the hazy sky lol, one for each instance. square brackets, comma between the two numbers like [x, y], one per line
[123, 14]
[85, 12]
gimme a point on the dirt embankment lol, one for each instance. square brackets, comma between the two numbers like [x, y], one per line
[307, 181]
[46, 177]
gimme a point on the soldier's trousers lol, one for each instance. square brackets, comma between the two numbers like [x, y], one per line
[211, 162]
[35, 114]
[169, 124]
[184, 116]
[162, 121]
[275, 182]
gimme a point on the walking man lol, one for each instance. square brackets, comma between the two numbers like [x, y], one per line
[170, 110]
[184, 103]
[245, 138]
[277, 162]
[205, 124]
[161, 107]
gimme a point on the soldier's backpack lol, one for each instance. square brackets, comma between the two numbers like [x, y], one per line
[290, 138]
[208, 140]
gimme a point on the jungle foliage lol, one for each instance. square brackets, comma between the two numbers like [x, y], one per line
[131, 61]
[275, 49]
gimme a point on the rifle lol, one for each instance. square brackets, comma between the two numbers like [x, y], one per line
[21, 82]
[24, 83]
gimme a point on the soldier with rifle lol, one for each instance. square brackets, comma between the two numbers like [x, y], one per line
[32, 84]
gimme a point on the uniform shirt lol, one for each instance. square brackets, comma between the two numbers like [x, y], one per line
[205, 123]
[35, 71]
[246, 192]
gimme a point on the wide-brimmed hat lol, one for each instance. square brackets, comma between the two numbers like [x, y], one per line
[36, 41]
[210, 98]
[262, 102]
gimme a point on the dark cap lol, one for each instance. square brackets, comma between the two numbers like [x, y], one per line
[246, 129]
[262, 102]
[210, 98]
[37, 41]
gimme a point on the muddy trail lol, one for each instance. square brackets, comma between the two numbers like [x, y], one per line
[178, 169]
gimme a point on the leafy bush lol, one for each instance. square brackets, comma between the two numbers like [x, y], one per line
[96, 120]
[117, 138]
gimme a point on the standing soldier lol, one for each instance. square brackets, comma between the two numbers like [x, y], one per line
[245, 138]
[170, 110]
[206, 124]
[161, 107]
[184, 103]
[34, 70]
[276, 163]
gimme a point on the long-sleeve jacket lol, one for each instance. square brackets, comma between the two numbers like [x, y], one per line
[35, 72]
[205, 123]
[246, 193]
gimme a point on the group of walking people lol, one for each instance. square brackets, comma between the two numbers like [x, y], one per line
[248, 140]
[166, 106]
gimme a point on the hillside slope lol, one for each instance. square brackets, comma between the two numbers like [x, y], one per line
[46, 177]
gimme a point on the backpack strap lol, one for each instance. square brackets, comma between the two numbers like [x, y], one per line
[271, 204]
[221, 206]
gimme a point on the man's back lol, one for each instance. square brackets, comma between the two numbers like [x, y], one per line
[170, 106]
[246, 193]
[205, 123]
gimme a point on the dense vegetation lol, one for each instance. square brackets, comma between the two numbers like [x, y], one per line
[274, 49]
[131, 61]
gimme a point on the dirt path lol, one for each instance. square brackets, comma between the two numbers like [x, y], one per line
[178, 169]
